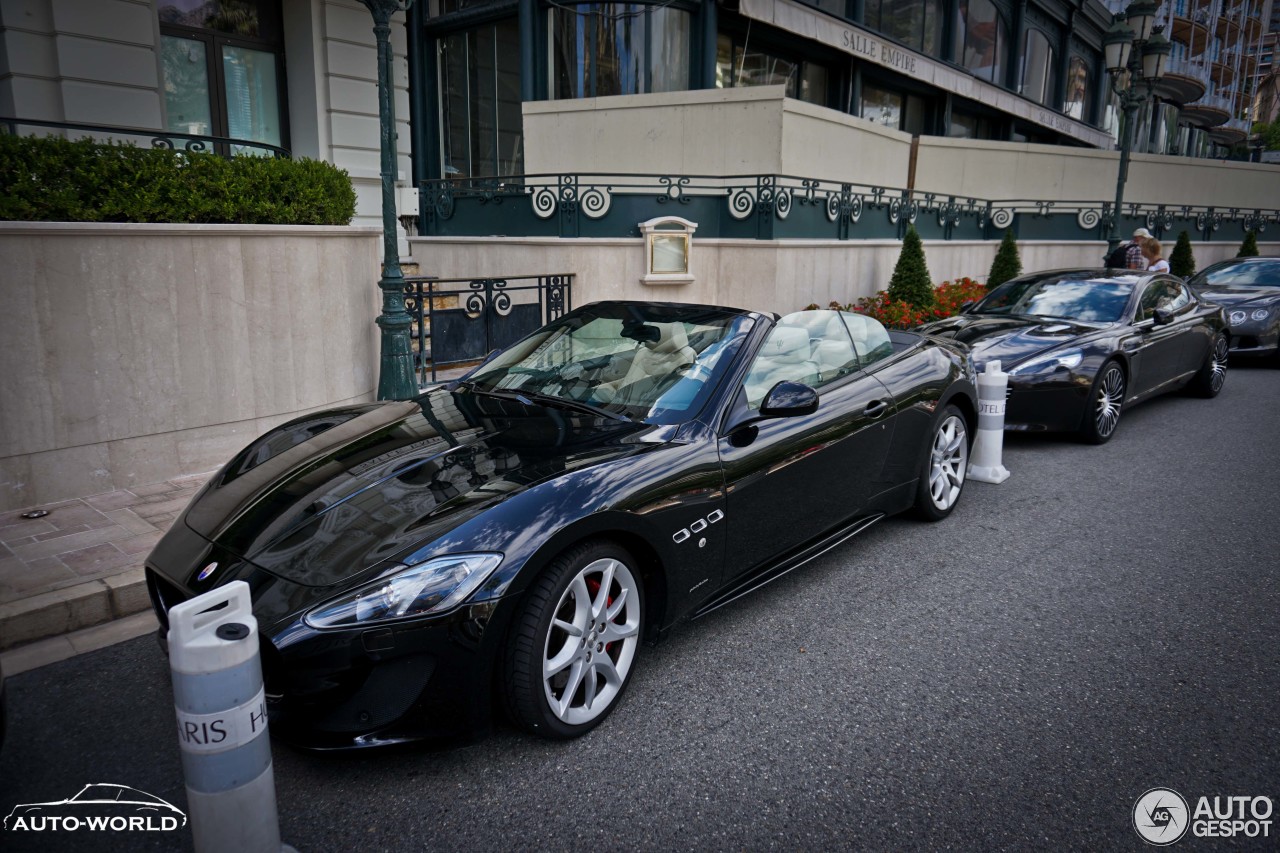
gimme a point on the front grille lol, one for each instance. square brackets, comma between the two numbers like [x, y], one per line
[163, 596]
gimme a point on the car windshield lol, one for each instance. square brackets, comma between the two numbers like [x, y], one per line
[656, 363]
[1249, 273]
[1082, 297]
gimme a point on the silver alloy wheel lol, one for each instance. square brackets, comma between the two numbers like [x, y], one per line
[1109, 400]
[591, 641]
[1218, 372]
[948, 460]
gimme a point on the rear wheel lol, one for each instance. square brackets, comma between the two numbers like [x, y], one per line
[1106, 399]
[1209, 379]
[946, 460]
[572, 649]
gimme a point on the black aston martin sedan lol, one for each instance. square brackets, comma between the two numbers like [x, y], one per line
[1080, 346]
[507, 540]
[1249, 288]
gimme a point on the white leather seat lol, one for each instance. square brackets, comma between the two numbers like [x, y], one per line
[830, 347]
[786, 355]
[653, 360]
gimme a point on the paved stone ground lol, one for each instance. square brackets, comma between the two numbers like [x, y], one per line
[87, 538]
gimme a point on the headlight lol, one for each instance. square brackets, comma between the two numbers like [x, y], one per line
[1050, 361]
[430, 587]
[1259, 314]
[1237, 317]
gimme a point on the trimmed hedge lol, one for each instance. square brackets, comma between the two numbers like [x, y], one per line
[49, 179]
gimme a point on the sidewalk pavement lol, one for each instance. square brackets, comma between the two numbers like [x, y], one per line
[81, 564]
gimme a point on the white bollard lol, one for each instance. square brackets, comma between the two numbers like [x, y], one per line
[222, 723]
[985, 466]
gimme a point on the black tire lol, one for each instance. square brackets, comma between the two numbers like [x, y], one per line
[943, 468]
[1212, 374]
[1105, 404]
[601, 656]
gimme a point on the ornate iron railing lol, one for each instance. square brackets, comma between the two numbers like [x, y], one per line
[784, 207]
[460, 320]
[172, 140]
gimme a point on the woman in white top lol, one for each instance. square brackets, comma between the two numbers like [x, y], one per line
[1151, 251]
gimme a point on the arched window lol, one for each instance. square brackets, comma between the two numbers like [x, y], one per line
[914, 23]
[981, 39]
[1039, 67]
[619, 49]
[1077, 102]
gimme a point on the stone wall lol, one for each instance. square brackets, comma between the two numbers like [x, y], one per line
[136, 353]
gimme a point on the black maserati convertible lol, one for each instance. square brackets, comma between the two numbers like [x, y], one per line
[509, 539]
[1082, 345]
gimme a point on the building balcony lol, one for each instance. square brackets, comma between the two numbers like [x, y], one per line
[1233, 132]
[1185, 80]
[1191, 33]
[1209, 111]
[1221, 74]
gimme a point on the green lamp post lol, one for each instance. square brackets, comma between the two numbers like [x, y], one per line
[395, 365]
[1136, 56]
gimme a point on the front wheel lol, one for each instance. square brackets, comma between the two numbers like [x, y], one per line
[945, 464]
[572, 649]
[1209, 379]
[1106, 399]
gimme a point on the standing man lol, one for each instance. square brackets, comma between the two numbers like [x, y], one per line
[1129, 255]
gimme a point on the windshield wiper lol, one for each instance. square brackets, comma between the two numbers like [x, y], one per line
[570, 403]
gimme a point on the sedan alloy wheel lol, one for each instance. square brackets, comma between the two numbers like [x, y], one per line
[1107, 402]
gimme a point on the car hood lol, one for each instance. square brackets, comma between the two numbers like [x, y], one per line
[1007, 338]
[327, 497]
[1232, 295]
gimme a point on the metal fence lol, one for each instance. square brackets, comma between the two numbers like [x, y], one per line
[461, 320]
[172, 140]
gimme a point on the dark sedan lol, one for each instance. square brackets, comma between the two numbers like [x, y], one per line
[1249, 288]
[509, 539]
[1080, 346]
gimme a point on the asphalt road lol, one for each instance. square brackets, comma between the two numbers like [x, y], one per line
[1105, 622]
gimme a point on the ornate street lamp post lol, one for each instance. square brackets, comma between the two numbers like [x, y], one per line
[395, 366]
[1136, 56]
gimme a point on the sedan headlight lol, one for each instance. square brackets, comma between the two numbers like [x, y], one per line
[1049, 362]
[1237, 317]
[430, 587]
[1259, 314]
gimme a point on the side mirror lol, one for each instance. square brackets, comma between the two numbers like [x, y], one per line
[966, 307]
[1162, 317]
[789, 400]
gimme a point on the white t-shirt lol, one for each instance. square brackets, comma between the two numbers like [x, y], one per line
[1160, 265]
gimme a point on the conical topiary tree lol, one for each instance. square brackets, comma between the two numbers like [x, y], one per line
[1182, 261]
[911, 282]
[1249, 248]
[1007, 264]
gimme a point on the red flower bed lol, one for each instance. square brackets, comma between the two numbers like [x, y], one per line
[896, 314]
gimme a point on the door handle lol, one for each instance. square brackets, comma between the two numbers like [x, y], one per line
[876, 408]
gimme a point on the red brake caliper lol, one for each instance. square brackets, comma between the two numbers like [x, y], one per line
[593, 587]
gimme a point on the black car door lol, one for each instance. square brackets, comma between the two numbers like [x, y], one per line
[1159, 351]
[787, 480]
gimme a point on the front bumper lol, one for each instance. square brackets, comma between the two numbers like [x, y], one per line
[429, 679]
[1257, 342]
[1046, 407]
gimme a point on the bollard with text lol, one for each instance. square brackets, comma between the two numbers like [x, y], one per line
[985, 465]
[222, 723]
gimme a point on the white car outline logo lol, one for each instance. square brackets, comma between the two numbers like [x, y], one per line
[153, 803]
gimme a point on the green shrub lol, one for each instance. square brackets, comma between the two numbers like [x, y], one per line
[910, 282]
[1249, 248]
[49, 179]
[1007, 264]
[1182, 261]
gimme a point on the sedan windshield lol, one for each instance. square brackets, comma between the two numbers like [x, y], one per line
[656, 363]
[1080, 297]
[1248, 273]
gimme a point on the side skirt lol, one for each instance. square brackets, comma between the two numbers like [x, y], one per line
[785, 564]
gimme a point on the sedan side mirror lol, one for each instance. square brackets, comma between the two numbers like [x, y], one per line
[966, 307]
[789, 400]
[1162, 317]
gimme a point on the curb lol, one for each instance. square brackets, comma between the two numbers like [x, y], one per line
[50, 614]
